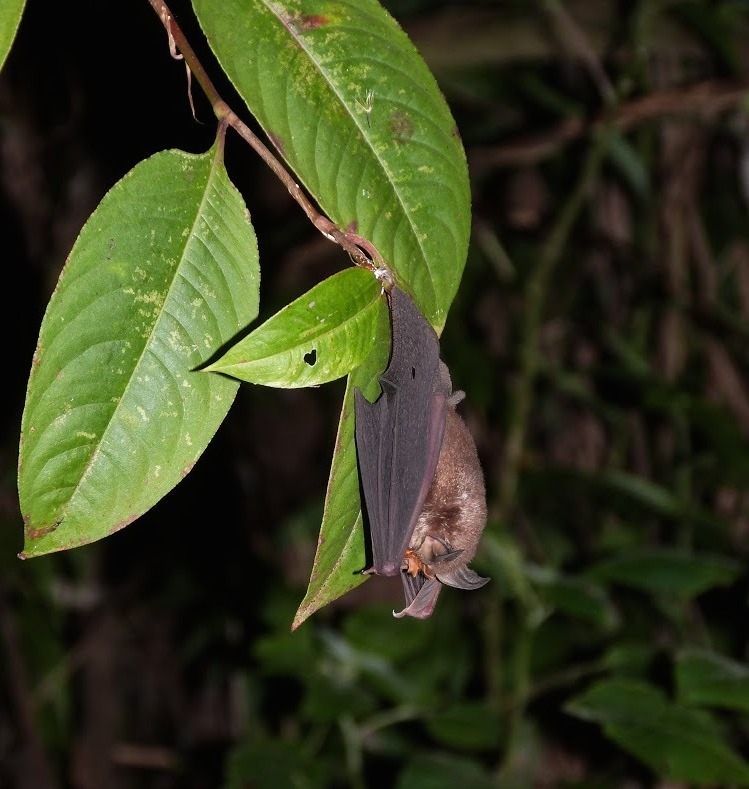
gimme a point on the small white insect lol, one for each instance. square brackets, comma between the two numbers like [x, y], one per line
[367, 105]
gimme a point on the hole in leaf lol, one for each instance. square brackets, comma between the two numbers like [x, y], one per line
[311, 357]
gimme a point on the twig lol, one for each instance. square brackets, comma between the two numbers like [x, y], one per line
[387, 718]
[535, 301]
[33, 768]
[362, 252]
[703, 99]
[352, 744]
[144, 757]
[493, 621]
[577, 42]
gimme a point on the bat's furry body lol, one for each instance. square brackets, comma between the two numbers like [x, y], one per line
[454, 512]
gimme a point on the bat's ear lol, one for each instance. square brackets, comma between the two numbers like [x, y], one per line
[436, 550]
[446, 383]
[422, 605]
[464, 578]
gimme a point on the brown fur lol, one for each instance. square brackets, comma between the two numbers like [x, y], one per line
[454, 514]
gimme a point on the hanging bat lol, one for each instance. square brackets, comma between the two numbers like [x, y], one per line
[420, 473]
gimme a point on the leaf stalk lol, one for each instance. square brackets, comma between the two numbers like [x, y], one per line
[361, 251]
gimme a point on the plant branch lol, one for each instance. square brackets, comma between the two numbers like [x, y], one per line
[701, 99]
[362, 252]
[574, 39]
[535, 300]
[33, 767]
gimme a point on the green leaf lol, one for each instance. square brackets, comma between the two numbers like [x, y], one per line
[630, 163]
[672, 572]
[351, 106]
[10, 17]
[643, 491]
[508, 568]
[705, 678]
[340, 553]
[164, 272]
[467, 725]
[321, 336]
[439, 770]
[630, 657]
[577, 597]
[362, 666]
[264, 763]
[329, 699]
[678, 743]
[367, 629]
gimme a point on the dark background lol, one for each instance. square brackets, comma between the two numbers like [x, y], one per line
[615, 421]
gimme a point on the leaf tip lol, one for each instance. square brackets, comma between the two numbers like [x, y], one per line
[30, 551]
[307, 607]
[299, 619]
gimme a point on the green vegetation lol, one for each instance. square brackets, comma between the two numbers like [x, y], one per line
[599, 330]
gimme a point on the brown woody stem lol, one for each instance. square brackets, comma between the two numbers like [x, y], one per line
[362, 252]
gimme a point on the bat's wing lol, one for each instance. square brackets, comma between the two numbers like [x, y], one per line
[421, 593]
[421, 596]
[398, 438]
[463, 578]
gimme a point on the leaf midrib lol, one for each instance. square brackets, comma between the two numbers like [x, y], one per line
[360, 129]
[97, 451]
[289, 349]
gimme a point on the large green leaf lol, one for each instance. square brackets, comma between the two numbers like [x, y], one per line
[577, 597]
[705, 678]
[323, 335]
[353, 109]
[668, 571]
[340, 553]
[10, 17]
[678, 743]
[467, 725]
[264, 763]
[164, 272]
[439, 770]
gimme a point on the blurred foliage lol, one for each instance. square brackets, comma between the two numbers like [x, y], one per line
[601, 335]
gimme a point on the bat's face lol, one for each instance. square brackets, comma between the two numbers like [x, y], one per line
[420, 474]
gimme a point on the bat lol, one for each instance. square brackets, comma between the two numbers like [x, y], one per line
[420, 473]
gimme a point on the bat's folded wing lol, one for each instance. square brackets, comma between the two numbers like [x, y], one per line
[374, 445]
[463, 578]
[421, 596]
[399, 436]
